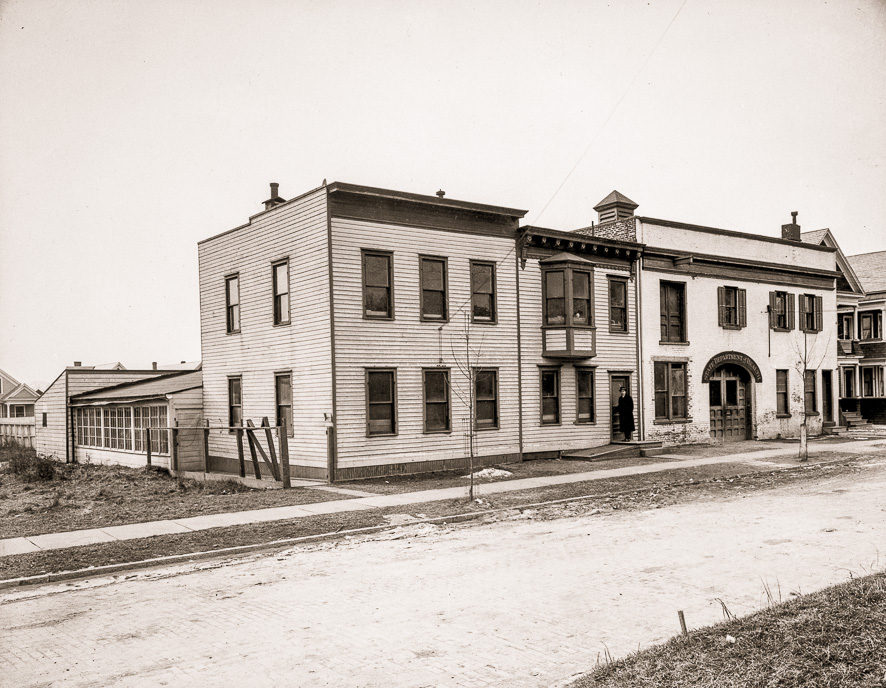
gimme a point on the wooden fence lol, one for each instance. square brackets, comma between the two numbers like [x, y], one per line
[17, 431]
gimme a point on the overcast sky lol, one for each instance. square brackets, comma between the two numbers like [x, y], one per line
[129, 130]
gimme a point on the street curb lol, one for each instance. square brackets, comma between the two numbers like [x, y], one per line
[54, 577]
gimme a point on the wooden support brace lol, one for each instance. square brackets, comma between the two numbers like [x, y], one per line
[255, 445]
[269, 436]
[252, 454]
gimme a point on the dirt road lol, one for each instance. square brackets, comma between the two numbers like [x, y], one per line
[517, 603]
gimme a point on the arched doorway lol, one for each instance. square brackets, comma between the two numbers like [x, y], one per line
[730, 376]
[730, 404]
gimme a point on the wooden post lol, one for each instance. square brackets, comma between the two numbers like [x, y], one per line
[682, 622]
[240, 452]
[273, 452]
[148, 444]
[173, 450]
[205, 445]
[284, 456]
[251, 440]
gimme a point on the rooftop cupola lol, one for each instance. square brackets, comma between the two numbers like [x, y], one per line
[791, 232]
[275, 198]
[616, 206]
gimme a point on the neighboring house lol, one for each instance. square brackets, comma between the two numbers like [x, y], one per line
[870, 392]
[850, 293]
[737, 330]
[118, 424]
[16, 398]
[16, 411]
[54, 411]
[372, 321]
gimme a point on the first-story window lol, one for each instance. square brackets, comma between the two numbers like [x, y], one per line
[809, 391]
[584, 385]
[670, 391]
[235, 402]
[232, 303]
[381, 402]
[781, 393]
[486, 399]
[283, 400]
[550, 396]
[436, 393]
[151, 420]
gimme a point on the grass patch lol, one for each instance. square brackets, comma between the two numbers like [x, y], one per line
[835, 637]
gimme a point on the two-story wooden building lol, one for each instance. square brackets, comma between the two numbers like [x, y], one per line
[399, 332]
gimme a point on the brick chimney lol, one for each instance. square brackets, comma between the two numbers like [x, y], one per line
[616, 206]
[275, 198]
[791, 232]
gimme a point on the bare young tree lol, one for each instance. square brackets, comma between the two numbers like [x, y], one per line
[466, 351]
[806, 354]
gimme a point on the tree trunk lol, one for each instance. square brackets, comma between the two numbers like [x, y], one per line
[804, 448]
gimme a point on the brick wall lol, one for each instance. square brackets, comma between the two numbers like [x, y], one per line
[620, 230]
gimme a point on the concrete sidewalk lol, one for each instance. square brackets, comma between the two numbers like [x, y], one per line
[36, 543]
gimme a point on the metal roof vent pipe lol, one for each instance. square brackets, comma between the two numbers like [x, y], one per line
[791, 232]
[153, 365]
[276, 198]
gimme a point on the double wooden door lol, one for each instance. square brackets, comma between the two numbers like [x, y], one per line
[729, 405]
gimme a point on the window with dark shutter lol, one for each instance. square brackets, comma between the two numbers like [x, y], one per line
[781, 393]
[672, 302]
[731, 307]
[809, 391]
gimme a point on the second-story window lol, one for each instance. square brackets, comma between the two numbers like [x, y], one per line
[869, 325]
[433, 289]
[672, 301]
[378, 296]
[281, 292]
[732, 307]
[618, 305]
[810, 313]
[567, 299]
[232, 303]
[844, 326]
[781, 310]
[483, 292]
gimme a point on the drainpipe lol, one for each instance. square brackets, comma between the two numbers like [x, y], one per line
[519, 357]
[639, 311]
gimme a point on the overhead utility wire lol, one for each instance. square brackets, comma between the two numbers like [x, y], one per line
[612, 112]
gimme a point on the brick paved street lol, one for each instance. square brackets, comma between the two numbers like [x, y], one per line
[517, 603]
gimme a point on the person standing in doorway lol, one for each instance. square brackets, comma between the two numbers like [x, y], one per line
[625, 410]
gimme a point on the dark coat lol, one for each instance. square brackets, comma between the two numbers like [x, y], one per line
[625, 411]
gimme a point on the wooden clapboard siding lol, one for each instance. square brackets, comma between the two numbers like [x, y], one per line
[409, 345]
[615, 352]
[50, 441]
[55, 439]
[297, 230]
